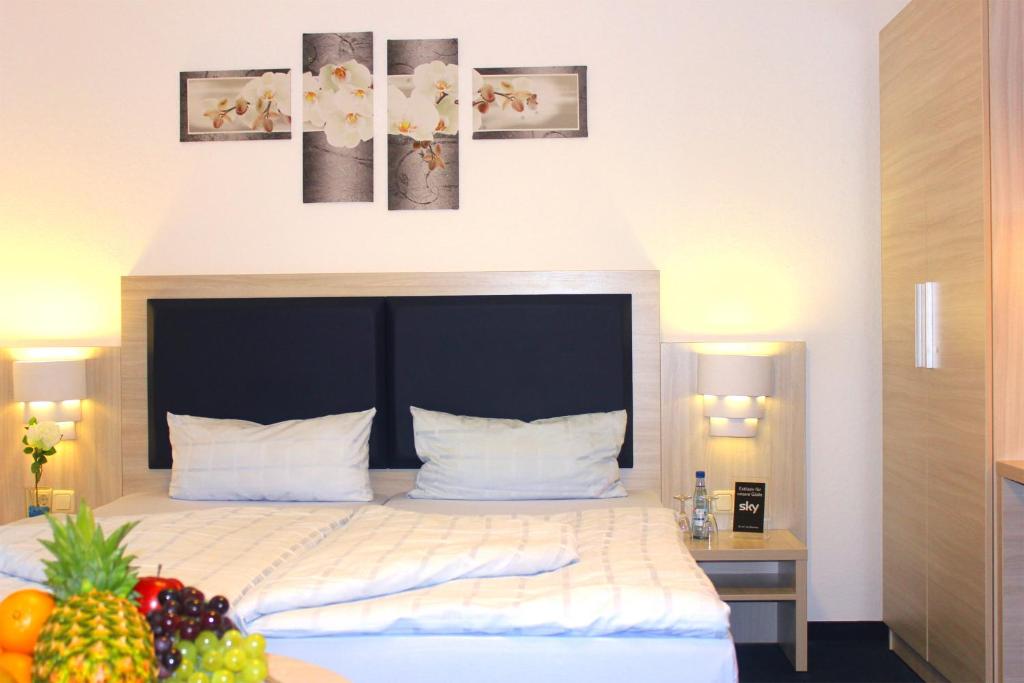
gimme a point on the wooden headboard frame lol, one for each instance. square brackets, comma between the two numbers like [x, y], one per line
[646, 472]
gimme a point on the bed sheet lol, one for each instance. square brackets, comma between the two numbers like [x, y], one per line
[641, 498]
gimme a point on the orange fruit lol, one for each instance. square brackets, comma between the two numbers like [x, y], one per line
[19, 666]
[22, 615]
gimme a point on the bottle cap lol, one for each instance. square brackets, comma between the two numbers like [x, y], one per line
[700, 474]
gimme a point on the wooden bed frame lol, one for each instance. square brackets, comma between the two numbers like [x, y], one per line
[646, 473]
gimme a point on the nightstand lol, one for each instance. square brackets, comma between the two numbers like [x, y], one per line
[785, 582]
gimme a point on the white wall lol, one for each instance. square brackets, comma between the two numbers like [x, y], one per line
[733, 145]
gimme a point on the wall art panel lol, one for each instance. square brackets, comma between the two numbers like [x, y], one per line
[337, 117]
[423, 124]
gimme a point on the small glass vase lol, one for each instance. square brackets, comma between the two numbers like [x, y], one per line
[37, 501]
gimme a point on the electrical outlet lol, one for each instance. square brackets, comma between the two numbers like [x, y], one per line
[723, 500]
[63, 501]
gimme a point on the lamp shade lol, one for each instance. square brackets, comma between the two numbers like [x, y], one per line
[61, 380]
[725, 375]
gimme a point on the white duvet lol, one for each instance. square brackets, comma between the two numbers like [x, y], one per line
[300, 571]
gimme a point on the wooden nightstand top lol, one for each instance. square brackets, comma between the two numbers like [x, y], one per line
[773, 544]
[1011, 469]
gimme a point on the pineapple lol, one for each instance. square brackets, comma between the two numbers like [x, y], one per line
[96, 633]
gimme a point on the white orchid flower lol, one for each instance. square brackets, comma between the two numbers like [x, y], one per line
[436, 80]
[350, 73]
[219, 110]
[311, 94]
[269, 98]
[448, 113]
[348, 118]
[415, 116]
[43, 435]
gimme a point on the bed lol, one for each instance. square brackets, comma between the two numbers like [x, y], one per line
[523, 346]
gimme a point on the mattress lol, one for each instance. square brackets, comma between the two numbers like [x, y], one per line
[515, 659]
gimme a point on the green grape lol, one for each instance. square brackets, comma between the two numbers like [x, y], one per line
[187, 649]
[255, 671]
[213, 660]
[185, 669]
[223, 676]
[232, 638]
[199, 677]
[234, 659]
[206, 640]
[255, 644]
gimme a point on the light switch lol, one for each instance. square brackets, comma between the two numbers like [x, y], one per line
[723, 500]
[63, 501]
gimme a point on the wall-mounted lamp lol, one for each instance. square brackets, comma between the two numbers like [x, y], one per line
[734, 389]
[51, 390]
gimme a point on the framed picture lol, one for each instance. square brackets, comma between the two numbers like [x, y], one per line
[337, 117]
[530, 102]
[235, 105]
[423, 124]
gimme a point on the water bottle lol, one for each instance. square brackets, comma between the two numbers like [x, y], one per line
[699, 525]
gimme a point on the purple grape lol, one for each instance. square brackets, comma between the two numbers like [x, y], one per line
[226, 624]
[162, 644]
[210, 620]
[192, 607]
[219, 603]
[158, 628]
[167, 595]
[164, 673]
[189, 629]
[170, 622]
[192, 593]
[171, 660]
[155, 617]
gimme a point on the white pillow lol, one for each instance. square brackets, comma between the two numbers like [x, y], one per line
[476, 458]
[322, 459]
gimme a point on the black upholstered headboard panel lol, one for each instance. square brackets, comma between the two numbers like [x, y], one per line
[523, 357]
[265, 360]
[268, 360]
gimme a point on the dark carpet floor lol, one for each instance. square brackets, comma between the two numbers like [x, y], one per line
[851, 653]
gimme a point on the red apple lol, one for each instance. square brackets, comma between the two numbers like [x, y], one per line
[149, 587]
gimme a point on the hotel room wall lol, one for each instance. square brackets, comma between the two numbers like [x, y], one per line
[733, 145]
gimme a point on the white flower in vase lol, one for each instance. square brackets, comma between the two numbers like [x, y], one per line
[311, 96]
[436, 80]
[348, 117]
[43, 435]
[415, 116]
[350, 73]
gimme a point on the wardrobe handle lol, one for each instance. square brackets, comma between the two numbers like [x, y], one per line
[926, 341]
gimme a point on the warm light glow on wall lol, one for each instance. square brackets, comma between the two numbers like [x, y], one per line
[57, 295]
[727, 293]
[44, 353]
[739, 348]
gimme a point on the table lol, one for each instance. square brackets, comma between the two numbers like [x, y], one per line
[785, 583]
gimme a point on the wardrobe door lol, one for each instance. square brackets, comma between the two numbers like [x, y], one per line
[904, 159]
[958, 398]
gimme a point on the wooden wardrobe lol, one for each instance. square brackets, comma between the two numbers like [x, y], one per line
[952, 155]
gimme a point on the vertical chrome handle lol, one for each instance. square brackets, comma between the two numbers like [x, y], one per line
[926, 341]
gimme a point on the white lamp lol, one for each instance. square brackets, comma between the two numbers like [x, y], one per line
[734, 389]
[51, 390]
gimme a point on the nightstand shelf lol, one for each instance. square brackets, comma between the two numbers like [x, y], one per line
[773, 570]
